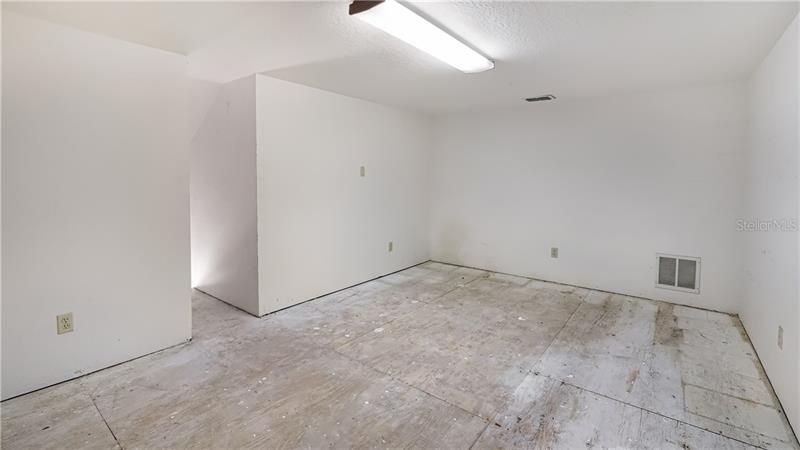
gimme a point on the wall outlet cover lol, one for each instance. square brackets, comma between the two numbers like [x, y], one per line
[554, 252]
[64, 323]
[391, 245]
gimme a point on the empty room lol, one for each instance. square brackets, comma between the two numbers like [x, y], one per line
[400, 224]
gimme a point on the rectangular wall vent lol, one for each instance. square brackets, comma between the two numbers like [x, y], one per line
[680, 273]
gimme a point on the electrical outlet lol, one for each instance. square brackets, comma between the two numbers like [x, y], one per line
[780, 337]
[363, 171]
[391, 245]
[554, 252]
[64, 323]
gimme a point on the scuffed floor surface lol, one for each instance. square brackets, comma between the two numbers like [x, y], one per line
[435, 356]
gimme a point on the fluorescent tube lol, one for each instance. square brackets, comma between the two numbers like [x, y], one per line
[404, 24]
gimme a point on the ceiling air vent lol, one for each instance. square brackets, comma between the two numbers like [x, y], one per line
[680, 273]
[543, 98]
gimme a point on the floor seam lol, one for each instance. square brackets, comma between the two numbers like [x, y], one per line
[478, 437]
[335, 349]
[658, 413]
[383, 324]
[119, 444]
[763, 371]
[732, 396]
[410, 385]
[457, 287]
[555, 337]
[349, 358]
[433, 301]
[423, 304]
[584, 287]
[738, 428]
[451, 296]
[430, 302]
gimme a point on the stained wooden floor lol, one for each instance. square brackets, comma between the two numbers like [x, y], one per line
[435, 356]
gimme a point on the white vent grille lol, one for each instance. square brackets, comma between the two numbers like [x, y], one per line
[681, 273]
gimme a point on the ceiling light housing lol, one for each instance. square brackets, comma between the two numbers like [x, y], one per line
[404, 24]
[542, 98]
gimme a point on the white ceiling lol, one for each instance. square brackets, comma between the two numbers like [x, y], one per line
[566, 49]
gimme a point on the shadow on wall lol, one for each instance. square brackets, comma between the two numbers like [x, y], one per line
[452, 239]
[336, 75]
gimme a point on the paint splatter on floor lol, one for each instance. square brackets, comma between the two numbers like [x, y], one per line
[436, 356]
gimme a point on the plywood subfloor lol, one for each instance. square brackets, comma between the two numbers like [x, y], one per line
[435, 356]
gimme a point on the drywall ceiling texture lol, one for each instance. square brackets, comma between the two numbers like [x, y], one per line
[95, 202]
[608, 181]
[223, 194]
[569, 49]
[771, 297]
[318, 213]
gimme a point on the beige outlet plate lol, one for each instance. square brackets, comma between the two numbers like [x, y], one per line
[64, 323]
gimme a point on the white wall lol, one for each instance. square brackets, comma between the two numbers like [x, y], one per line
[223, 192]
[771, 286]
[609, 181]
[95, 198]
[323, 227]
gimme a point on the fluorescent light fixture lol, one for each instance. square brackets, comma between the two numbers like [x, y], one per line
[404, 24]
[542, 98]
